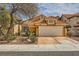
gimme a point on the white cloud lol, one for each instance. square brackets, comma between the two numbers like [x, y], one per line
[59, 8]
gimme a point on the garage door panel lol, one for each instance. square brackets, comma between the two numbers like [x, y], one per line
[50, 30]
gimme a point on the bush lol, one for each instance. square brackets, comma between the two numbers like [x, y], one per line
[2, 38]
[31, 36]
[10, 37]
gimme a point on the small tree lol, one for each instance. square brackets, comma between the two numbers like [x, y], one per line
[4, 20]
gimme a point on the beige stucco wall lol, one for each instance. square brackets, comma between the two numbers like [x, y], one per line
[51, 31]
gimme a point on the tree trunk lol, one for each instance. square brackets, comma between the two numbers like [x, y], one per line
[1, 33]
[11, 25]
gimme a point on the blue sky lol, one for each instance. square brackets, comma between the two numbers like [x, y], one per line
[57, 9]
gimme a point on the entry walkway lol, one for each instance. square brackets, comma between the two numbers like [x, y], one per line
[65, 44]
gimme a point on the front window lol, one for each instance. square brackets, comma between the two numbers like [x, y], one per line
[51, 22]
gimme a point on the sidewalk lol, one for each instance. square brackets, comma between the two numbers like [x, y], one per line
[62, 47]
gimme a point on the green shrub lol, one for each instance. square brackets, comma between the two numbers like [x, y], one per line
[10, 37]
[2, 38]
[31, 36]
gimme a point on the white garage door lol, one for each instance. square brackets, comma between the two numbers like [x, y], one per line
[51, 30]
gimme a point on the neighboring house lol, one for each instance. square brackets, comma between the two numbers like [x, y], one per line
[73, 21]
[45, 26]
[17, 29]
[18, 25]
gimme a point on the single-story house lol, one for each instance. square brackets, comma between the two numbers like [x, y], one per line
[46, 26]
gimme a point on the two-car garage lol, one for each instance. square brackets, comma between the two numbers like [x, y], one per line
[51, 31]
